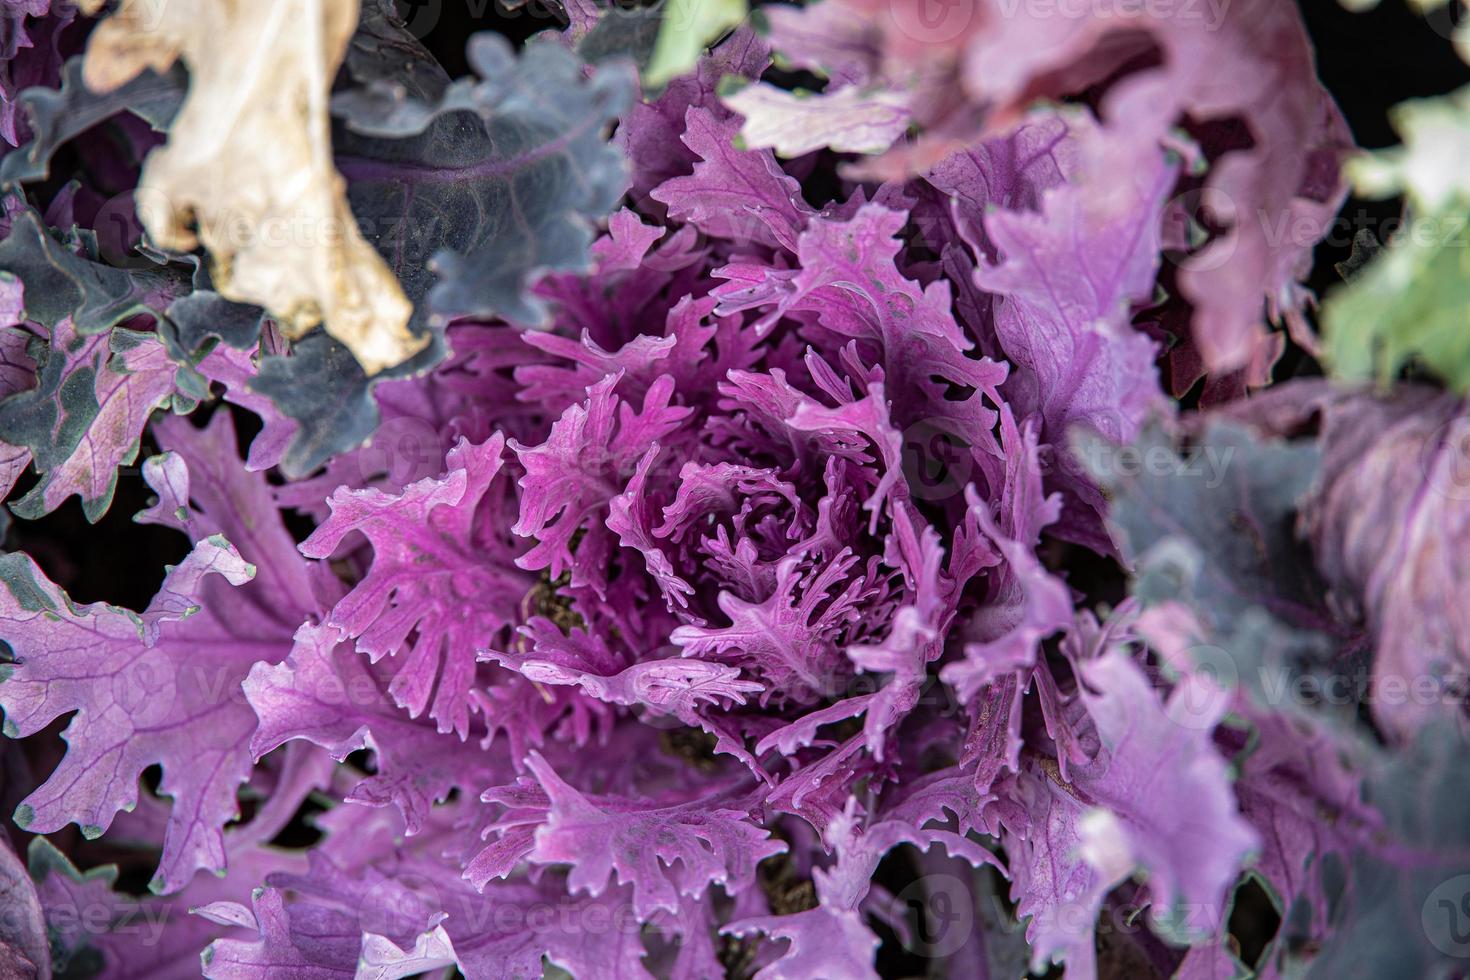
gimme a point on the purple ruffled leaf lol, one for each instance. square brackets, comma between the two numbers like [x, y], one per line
[327, 694]
[738, 195]
[443, 578]
[662, 852]
[650, 134]
[850, 288]
[142, 696]
[1157, 797]
[1026, 602]
[591, 450]
[789, 638]
[676, 686]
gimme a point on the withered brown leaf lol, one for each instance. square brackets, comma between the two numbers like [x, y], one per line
[247, 170]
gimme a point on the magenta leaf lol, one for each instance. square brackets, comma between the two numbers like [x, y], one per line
[662, 852]
[443, 579]
[145, 691]
[1158, 797]
[592, 450]
[741, 195]
[788, 639]
[675, 686]
[325, 693]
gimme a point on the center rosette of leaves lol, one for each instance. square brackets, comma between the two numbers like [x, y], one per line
[723, 505]
[705, 515]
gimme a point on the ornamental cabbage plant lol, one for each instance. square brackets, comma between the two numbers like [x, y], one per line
[846, 491]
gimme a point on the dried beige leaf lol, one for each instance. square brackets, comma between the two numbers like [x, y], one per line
[248, 167]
